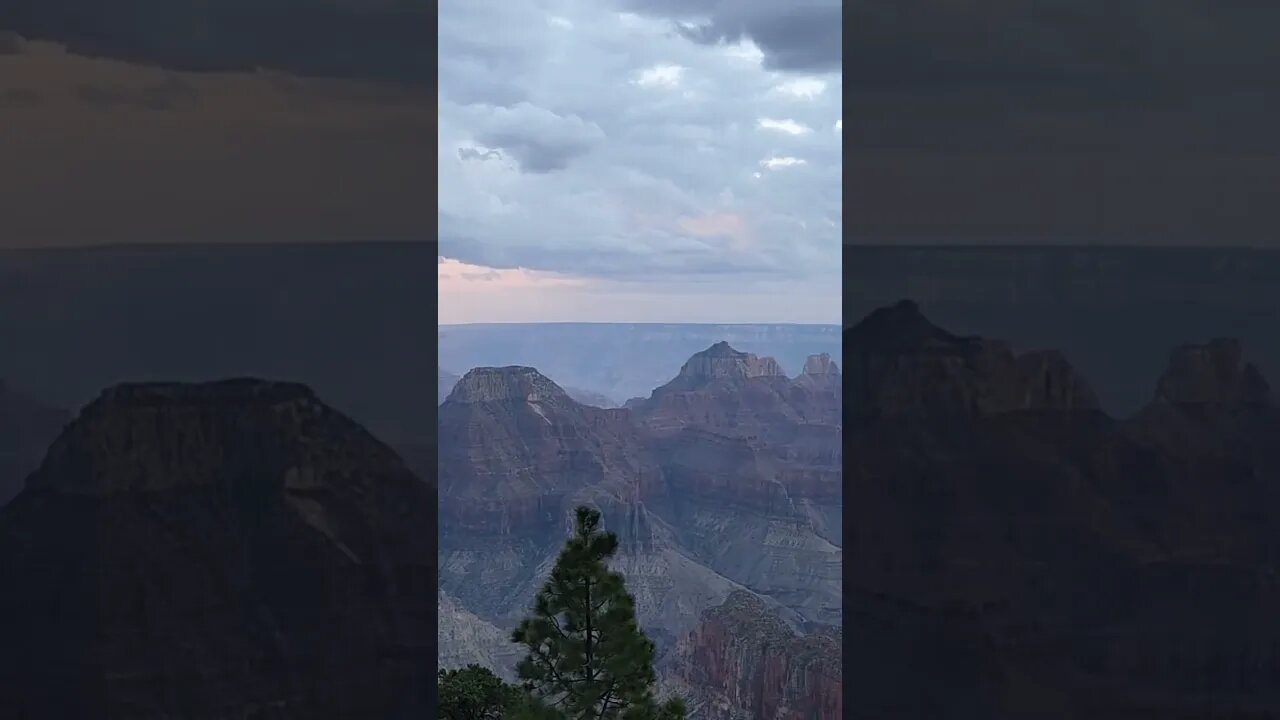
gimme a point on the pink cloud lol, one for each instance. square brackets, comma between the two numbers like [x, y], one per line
[727, 225]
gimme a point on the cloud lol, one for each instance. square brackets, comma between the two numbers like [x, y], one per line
[802, 88]
[167, 95]
[366, 39]
[1032, 47]
[660, 76]
[153, 155]
[790, 127]
[496, 295]
[775, 163]
[457, 277]
[470, 153]
[627, 151]
[803, 37]
[1046, 121]
[538, 139]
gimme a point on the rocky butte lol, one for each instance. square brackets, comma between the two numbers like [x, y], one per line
[228, 549]
[724, 484]
[1015, 552]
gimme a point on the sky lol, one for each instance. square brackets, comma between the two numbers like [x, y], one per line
[184, 121]
[1083, 121]
[639, 161]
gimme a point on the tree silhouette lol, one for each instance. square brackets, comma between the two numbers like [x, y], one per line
[587, 657]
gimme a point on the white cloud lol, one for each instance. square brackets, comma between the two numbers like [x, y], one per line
[804, 88]
[790, 127]
[660, 76]
[774, 163]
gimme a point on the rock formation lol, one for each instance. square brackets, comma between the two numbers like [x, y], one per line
[26, 429]
[726, 480]
[1016, 553]
[743, 662]
[741, 395]
[1215, 374]
[227, 549]
[899, 363]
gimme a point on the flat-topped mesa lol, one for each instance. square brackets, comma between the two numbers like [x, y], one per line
[820, 365]
[149, 437]
[226, 393]
[513, 383]
[900, 363]
[722, 362]
[1214, 373]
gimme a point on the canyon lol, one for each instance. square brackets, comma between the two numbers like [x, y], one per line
[723, 486]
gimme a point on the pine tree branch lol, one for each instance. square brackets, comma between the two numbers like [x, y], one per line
[607, 698]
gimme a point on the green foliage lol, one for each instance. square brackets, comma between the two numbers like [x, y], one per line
[475, 693]
[587, 657]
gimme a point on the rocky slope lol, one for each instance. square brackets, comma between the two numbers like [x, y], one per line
[1016, 552]
[517, 454]
[743, 662]
[26, 429]
[217, 550]
[741, 495]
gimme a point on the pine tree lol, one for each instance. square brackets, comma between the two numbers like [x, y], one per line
[475, 693]
[587, 657]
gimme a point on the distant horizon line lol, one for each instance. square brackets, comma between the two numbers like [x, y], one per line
[905, 244]
[633, 322]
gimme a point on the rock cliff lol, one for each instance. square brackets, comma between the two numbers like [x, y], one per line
[727, 480]
[1214, 373]
[899, 363]
[215, 550]
[743, 662]
[988, 501]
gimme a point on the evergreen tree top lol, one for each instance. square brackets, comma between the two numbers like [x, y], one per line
[587, 656]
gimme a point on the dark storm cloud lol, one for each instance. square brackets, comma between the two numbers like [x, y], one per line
[794, 36]
[1121, 49]
[1149, 121]
[372, 39]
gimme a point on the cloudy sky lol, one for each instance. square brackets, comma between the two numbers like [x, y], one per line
[184, 121]
[639, 160]
[1097, 121]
